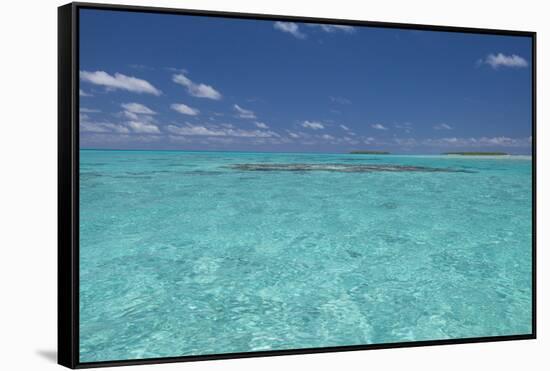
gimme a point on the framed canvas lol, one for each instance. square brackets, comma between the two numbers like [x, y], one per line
[241, 185]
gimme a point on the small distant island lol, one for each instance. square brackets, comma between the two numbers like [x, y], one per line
[477, 153]
[369, 153]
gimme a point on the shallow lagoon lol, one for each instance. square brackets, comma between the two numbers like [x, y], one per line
[185, 253]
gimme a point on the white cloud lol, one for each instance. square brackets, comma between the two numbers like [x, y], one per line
[478, 142]
[244, 113]
[88, 110]
[454, 142]
[176, 69]
[185, 109]
[378, 127]
[217, 131]
[102, 127]
[138, 112]
[197, 90]
[219, 140]
[315, 125]
[369, 140]
[333, 28]
[194, 130]
[127, 138]
[443, 127]
[501, 60]
[327, 137]
[143, 127]
[119, 81]
[294, 29]
[293, 135]
[109, 129]
[503, 141]
[406, 127]
[102, 139]
[140, 118]
[261, 125]
[344, 127]
[134, 116]
[406, 142]
[82, 93]
[350, 140]
[137, 109]
[291, 28]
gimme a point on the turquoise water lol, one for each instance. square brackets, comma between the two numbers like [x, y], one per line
[188, 253]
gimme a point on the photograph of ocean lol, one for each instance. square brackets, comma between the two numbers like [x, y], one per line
[220, 252]
[249, 185]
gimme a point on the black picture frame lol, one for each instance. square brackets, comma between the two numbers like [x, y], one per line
[68, 183]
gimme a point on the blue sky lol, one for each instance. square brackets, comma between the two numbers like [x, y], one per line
[158, 81]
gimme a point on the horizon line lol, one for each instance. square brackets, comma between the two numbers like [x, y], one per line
[244, 151]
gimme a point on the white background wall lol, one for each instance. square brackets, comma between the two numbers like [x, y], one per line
[28, 60]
